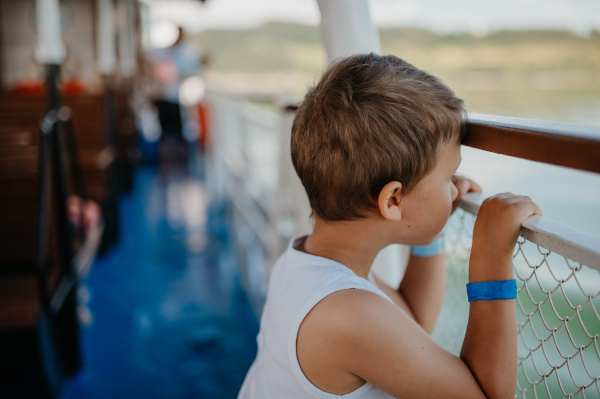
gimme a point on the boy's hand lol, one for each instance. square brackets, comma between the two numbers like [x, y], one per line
[464, 186]
[496, 232]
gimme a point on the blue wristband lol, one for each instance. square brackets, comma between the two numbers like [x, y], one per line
[435, 248]
[492, 290]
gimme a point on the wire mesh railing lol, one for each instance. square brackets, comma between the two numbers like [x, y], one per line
[558, 323]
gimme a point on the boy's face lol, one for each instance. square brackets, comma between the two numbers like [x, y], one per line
[427, 208]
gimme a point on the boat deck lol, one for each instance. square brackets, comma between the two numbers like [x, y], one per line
[166, 315]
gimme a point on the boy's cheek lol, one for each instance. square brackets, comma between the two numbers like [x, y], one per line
[444, 215]
[435, 222]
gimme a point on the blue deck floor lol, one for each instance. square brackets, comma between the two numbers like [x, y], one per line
[169, 318]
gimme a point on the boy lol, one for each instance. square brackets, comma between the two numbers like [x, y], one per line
[376, 144]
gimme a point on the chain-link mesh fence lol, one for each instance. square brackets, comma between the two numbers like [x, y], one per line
[558, 323]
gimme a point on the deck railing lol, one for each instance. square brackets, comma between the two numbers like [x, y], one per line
[243, 166]
[557, 266]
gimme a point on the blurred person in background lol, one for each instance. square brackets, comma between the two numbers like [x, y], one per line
[170, 67]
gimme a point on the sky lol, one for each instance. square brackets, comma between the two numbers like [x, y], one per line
[477, 16]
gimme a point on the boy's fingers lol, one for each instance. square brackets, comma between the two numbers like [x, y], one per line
[475, 187]
[536, 210]
[531, 207]
[463, 186]
[458, 179]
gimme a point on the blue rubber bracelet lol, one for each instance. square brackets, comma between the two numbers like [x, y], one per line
[492, 290]
[435, 248]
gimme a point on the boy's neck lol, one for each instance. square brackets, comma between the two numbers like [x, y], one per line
[354, 244]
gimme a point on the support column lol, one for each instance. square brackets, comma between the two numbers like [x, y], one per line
[347, 28]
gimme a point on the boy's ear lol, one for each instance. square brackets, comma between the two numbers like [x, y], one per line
[389, 201]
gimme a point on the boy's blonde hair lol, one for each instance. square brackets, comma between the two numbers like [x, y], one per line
[369, 121]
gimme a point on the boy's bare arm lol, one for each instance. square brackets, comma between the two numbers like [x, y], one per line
[358, 333]
[421, 292]
[423, 286]
[490, 336]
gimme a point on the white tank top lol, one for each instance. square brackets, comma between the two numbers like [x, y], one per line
[298, 282]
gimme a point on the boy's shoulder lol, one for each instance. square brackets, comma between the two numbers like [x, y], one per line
[345, 313]
[337, 333]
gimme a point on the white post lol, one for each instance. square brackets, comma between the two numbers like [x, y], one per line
[347, 28]
[127, 48]
[50, 48]
[107, 59]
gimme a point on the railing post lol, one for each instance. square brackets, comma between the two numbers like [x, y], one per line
[347, 28]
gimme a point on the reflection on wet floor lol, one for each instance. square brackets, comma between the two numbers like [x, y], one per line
[167, 315]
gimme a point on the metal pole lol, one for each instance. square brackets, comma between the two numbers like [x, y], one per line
[107, 62]
[50, 52]
[347, 28]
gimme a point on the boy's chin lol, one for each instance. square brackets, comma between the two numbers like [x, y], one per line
[419, 242]
[413, 243]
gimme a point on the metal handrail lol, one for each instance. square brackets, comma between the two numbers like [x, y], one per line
[46, 128]
[52, 165]
[559, 238]
[108, 157]
[76, 171]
